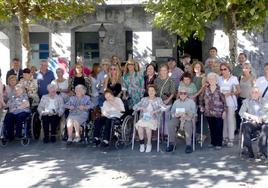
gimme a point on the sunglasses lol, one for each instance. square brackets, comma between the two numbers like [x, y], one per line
[112, 68]
[223, 69]
[182, 93]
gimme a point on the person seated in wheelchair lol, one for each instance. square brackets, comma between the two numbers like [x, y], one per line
[50, 108]
[183, 109]
[18, 110]
[78, 106]
[113, 107]
[254, 114]
[149, 107]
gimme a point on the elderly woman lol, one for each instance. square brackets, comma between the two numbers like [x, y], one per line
[229, 86]
[19, 110]
[9, 90]
[254, 114]
[150, 76]
[50, 109]
[184, 110]
[133, 83]
[213, 104]
[150, 108]
[80, 79]
[113, 107]
[79, 106]
[165, 85]
[62, 84]
[31, 87]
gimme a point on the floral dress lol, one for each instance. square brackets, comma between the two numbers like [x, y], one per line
[148, 118]
[133, 83]
[31, 88]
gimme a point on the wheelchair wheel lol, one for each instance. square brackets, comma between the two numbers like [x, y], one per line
[118, 144]
[3, 142]
[127, 129]
[36, 126]
[25, 141]
[63, 134]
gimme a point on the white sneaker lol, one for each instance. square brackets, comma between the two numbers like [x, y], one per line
[69, 140]
[77, 140]
[230, 144]
[142, 148]
[148, 148]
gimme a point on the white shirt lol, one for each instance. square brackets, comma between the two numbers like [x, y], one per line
[51, 106]
[262, 84]
[229, 86]
[61, 85]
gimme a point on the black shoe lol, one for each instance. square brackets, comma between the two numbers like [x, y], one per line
[97, 142]
[188, 149]
[45, 140]
[53, 139]
[251, 155]
[170, 148]
[105, 145]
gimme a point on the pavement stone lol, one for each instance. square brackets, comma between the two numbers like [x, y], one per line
[55, 165]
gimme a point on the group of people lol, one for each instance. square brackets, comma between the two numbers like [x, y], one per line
[227, 96]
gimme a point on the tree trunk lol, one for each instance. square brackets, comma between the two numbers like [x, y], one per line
[25, 39]
[232, 34]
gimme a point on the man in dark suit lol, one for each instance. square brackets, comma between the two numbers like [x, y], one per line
[16, 70]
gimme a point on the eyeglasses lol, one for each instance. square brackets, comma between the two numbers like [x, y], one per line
[182, 93]
[225, 69]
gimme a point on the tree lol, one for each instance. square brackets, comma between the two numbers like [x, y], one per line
[27, 11]
[190, 17]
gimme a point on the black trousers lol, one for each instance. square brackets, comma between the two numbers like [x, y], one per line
[98, 124]
[12, 119]
[216, 130]
[54, 122]
[249, 132]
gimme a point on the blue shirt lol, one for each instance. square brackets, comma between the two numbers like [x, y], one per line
[43, 79]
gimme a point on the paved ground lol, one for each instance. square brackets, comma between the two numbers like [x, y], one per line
[55, 165]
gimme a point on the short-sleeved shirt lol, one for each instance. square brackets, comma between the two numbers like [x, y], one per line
[228, 85]
[262, 84]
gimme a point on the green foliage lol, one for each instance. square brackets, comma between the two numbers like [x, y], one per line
[47, 9]
[187, 17]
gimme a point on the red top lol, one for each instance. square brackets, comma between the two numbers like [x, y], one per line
[86, 71]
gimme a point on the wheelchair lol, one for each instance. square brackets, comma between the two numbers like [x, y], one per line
[254, 136]
[121, 131]
[86, 129]
[26, 131]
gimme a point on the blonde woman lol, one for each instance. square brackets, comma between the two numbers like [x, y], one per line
[113, 81]
[133, 83]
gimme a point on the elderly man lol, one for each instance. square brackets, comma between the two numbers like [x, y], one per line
[16, 70]
[254, 113]
[44, 77]
[184, 110]
[174, 71]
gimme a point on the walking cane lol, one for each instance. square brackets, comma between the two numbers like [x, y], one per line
[202, 117]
